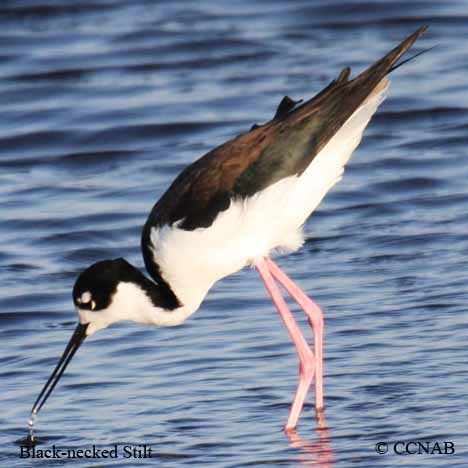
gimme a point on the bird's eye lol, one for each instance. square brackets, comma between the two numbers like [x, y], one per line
[85, 298]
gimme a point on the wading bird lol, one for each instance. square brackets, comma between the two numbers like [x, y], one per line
[231, 208]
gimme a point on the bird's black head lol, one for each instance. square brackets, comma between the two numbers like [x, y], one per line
[96, 297]
[96, 286]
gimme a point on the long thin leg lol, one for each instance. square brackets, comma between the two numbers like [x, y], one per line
[315, 317]
[306, 356]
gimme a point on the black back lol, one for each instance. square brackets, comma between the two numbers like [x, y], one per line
[254, 160]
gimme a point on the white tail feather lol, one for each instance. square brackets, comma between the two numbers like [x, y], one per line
[327, 168]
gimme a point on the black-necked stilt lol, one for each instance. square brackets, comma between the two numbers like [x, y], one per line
[232, 208]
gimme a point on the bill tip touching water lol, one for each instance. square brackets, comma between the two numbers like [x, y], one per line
[234, 207]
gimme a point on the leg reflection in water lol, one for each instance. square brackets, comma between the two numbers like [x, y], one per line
[317, 453]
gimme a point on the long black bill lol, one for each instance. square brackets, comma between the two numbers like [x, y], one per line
[77, 338]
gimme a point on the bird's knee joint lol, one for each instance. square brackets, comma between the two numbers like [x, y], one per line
[316, 320]
[308, 369]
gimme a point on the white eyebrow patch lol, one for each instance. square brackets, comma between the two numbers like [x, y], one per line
[85, 297]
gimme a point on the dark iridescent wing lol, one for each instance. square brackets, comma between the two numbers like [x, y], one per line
[254, 160]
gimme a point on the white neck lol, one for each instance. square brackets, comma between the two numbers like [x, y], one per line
[130, 302]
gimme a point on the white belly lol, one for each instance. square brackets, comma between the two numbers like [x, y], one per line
[192, 261]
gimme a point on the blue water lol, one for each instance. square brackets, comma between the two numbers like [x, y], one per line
[103, 103]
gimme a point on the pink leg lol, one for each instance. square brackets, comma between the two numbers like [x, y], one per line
[306, 356]
[315, 317]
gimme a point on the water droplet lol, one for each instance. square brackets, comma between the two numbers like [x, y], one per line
[31, 422]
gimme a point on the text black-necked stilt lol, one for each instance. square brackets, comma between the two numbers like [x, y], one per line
[232, 208]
